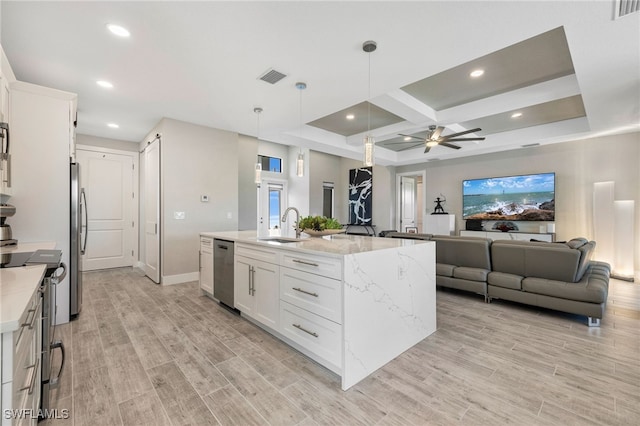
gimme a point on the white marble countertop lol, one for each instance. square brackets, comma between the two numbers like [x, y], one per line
[17, 285]
[334, 245]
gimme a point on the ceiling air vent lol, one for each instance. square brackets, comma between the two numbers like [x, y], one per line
[272, 76]
[530, 145]
[625, 7]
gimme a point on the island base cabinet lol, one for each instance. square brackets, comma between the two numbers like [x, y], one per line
[257, 290]
[318, 335]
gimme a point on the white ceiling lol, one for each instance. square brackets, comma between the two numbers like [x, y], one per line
[200, 62]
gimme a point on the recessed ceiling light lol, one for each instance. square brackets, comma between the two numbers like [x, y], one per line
[105, 84]
[476, 73]
[118, 30]
[350, 116]
[516, 115]
[113, 125]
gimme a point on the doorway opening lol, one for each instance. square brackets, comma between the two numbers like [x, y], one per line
[410, 190]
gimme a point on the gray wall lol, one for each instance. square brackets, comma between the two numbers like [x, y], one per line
[325, 168]
[577, 165]
[196, 160]
[247, 196]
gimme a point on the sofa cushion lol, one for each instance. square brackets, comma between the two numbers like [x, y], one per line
[500, 279]
[586, 252]
[444, 269]
[470, 252]
[553, 262]
[471, 274]
[592, 288]
[575, 243]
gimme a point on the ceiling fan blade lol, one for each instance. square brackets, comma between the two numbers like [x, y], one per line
[466, 132]
[463, 139]
[426, 149]
[449, 145]
[436, 133]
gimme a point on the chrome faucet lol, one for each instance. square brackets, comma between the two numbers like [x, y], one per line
[284, 219]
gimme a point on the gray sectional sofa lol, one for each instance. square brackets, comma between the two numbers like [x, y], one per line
[559, 276]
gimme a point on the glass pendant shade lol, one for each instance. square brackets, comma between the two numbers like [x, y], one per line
[258, 176]
[300, 165]
[369, 155]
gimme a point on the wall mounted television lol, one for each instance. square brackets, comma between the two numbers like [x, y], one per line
[524, 197]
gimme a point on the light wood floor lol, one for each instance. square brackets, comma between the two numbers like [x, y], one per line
[145, 354]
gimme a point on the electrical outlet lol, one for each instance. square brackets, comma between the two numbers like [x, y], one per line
[178, 215]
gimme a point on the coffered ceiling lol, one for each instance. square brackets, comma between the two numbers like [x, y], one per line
[568, 68]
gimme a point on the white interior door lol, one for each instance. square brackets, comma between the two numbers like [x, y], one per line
[407, 203]
[108, 183]
[152, 210]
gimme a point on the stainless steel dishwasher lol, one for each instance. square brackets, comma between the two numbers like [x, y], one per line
[223, 271]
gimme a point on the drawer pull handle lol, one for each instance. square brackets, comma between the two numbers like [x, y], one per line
[34, 374]
[304, 262]
[305, 292]
[299, 327]
[32, 312]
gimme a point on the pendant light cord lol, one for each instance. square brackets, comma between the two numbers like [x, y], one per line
[369, 99]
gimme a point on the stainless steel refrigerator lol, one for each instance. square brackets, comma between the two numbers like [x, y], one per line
[78, 240]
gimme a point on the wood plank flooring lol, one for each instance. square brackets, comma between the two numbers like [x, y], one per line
[143, 354]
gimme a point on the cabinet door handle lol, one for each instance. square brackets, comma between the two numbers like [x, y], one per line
[200, 260]
[304, 262]
[34, 374]
[220, 246]
[305, 292]
[250, 279]
[253, 280]
[299, 327]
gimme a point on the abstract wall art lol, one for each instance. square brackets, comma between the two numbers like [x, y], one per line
[360, 195]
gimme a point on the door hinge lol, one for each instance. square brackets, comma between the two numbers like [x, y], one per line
[132, 224]
[131, 253]
[133, 167]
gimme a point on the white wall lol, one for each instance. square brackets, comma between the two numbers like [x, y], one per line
[578, 165]
[107, 143]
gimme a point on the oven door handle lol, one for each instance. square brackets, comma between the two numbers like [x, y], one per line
[57, 345]
[60, 278]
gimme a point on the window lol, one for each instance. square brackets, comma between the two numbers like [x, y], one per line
[270, 164]
[327, 199]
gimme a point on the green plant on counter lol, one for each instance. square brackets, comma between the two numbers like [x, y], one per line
[319, 223]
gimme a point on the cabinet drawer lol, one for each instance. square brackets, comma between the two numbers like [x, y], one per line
[254, 252]
[326, 266]
[314, 333]
[206, 242]
[317, 294]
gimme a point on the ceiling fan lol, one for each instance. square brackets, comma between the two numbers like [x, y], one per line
[434, 137]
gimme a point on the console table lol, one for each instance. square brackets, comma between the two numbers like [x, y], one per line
[513, 235]
[366, 229]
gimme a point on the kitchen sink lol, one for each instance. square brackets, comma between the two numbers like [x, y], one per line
[280, 239]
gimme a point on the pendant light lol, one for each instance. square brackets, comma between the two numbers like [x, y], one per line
[300, 161]
[258, 169]
[369, 142]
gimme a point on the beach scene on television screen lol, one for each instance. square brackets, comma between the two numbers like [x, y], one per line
[528, 197]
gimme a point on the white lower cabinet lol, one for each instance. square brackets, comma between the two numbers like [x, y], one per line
[314, 333]
[256, 290]
[206, 264]
[21, 368]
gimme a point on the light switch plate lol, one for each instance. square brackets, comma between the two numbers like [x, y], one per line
[178, 215]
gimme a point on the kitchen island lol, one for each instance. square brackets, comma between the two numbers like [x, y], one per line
[351, 303]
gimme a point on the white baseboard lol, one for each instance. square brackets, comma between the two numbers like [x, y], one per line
[180, 278]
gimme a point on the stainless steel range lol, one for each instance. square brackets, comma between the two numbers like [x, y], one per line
[55, 273]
